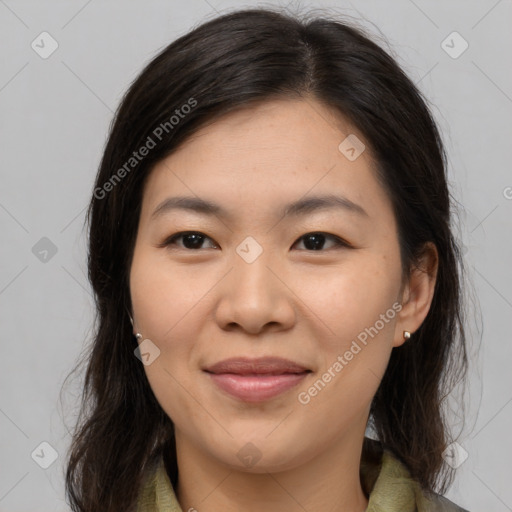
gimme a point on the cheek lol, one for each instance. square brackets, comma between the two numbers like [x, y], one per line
[170, 304]
[358, 309]
[163, 295]
[352, 297]
[355, 305]
[162, 298]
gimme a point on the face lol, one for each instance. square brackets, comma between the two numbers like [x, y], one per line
[317, 286]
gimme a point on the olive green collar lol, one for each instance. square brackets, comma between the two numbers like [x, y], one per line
[385, 480]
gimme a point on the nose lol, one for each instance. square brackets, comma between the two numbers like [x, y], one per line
[255, 297]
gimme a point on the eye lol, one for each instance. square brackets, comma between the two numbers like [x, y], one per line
[191, 240]
[316, 241]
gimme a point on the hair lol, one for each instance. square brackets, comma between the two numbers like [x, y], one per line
[230, 63]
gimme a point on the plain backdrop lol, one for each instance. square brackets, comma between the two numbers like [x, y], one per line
[55, 111]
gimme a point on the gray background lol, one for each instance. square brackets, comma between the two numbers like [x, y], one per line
[55, 114]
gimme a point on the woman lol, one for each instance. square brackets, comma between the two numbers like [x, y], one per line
[275, 273]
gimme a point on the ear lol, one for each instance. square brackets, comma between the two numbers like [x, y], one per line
[417, 294]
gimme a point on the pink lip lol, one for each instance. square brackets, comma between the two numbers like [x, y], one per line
[256, 388]
[256, 380]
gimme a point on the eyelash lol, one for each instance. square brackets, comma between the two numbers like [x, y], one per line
[340, 243]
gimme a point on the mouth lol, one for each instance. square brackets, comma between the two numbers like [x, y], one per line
[256, 380]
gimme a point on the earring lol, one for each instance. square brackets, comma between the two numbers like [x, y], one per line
[138, 335]
[407, 335]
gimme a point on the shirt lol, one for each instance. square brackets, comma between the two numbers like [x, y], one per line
[385, 480]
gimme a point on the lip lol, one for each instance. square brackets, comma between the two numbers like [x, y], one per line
[256, 380]
[258, 366]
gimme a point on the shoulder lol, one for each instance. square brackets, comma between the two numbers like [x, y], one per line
[436, 502]
[390, 486]
[431, 501]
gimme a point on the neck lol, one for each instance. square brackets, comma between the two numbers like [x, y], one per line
[330, 481]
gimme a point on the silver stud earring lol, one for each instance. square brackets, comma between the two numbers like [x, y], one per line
[407, 335]
[138, 335]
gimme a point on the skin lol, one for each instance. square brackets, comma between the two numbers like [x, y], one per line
[200, 306]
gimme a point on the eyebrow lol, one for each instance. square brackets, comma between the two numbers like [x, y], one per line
[297, 208]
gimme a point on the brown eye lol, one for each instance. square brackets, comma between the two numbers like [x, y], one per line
[192, 240]
[316, 241]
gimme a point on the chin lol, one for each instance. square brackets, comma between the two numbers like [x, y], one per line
[259, 455]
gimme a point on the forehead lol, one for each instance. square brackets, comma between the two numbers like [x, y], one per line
[272, 153]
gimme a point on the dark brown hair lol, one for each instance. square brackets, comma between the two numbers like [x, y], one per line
[230, 63]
